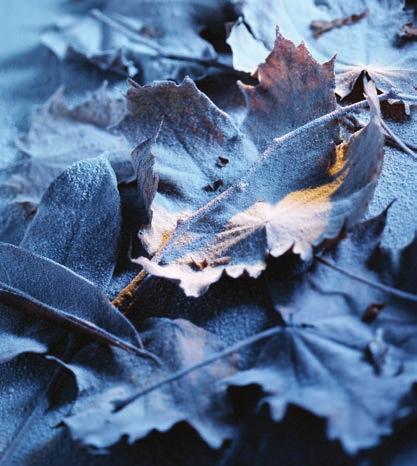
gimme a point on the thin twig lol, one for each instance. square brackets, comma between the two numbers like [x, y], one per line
[22, 302]
[126, 295]
[136, 37]
[123, 29]
[120, 404]
[397, 140]
[387, 289]
[407, 97]
[354, 124]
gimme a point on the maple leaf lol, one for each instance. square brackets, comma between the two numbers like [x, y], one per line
[303, 188]
[370, 43]
[60, 136]
[134, 37]
[343, 351]
[347, 352]
[325, 326]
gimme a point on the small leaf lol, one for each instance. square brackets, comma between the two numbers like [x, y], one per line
[78, 221]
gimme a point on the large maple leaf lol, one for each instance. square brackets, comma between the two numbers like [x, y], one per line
[347, 352]
[303, 188]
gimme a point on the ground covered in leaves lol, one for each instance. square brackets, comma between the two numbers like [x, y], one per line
[207, 232]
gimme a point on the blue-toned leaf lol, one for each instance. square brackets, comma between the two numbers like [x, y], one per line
[303, 188]
[190, 141]
[347, 352]
[138, 37]
[61, 135]
[78, 221]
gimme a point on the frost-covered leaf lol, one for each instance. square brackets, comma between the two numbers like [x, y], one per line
[293, 90]
[98, 369]
[46, 300]
[159, 39]
[325, 339]
[332, 355]
[372, 43]
[32, 414]
[60, 136]
[107, 379]
[348, 350]
[28, 423]
[302, 189]
[78, 221]
[391, 289]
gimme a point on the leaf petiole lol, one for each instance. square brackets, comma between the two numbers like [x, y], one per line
[387, 289]
[120, 404]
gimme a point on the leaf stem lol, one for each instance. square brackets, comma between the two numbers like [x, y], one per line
[397, 140]
[22, 302]
[120, 404]
[407, 97]
[387, 289]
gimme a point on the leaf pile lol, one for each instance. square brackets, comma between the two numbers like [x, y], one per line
[216, 266]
